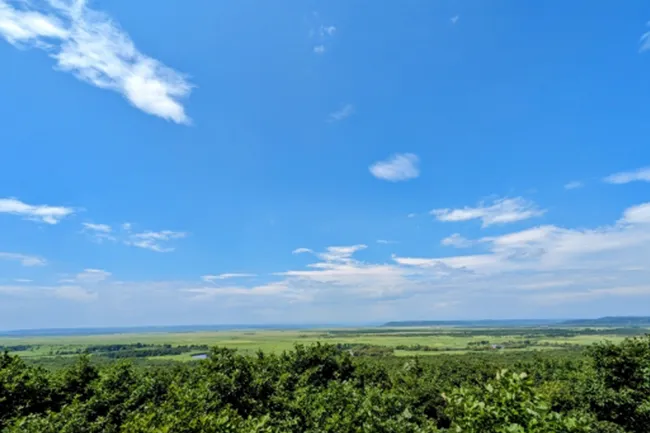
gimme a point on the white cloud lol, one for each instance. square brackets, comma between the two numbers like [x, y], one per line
[345, 112]
[645, 41]
[24, 260]
[103, 228]
[319, 49]
[74, 293]
[398, 167]
[637, 214]
[22, 280]
[501, 211]
[155, 241]
[24, 26]
[90, 45]
[456, 240]
[41, 213]
[574, 185]
[640, 175]
[337, 268]
[543, 265]
[265, 290]
[301, 251]
[327, 31]
[99, 232]
[340, 254]
[385, 242]
[92, 276]
[150, 240]
[549, 248]
[213, 278]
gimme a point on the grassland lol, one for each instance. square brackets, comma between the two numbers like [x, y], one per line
[397, 342]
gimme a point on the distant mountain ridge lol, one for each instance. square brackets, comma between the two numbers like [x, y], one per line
[618, 321]
[621, 321]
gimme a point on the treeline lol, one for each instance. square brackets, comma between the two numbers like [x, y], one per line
[530, 333]
[359, 349]
[323, 389]
[134, 350]
[485, 345]
[17, 348]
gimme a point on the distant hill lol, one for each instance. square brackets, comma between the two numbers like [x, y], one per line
[619, 322]
[472, 323]
[610, 321]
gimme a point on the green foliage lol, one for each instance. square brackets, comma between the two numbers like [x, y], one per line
[619, 392]
[324, 388]
[23, 390]
[508, 404]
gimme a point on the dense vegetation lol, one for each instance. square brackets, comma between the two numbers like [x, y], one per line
[323, 388]
[135, 350]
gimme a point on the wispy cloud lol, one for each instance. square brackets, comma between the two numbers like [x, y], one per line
[155, 241]
[455, 19]
[645, 41]
[501, 211]
[91, 46]
[327, 30]
[24, 259]
[399, 167]
[101, 228]
[213, 278]
[322, 33]
[543, 265]
[456, 240]
[301, 251]
[41, 213]
[639, 175]
[92, 276]
[99, 232]
[26, 26]
[74, 293]
[151, 240]
[385, 242]
[345, 112]
[574, 185]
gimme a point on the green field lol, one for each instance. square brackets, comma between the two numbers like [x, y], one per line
[398, 341]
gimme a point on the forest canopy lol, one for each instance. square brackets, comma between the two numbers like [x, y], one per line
[323, 388]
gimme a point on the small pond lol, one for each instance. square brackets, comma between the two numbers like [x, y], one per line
[200, 356]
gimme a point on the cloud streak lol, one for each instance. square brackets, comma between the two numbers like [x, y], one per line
[88, 44]
[540, 266]
[501, 211]
[40, 213]
[24, 259]
[645, 42]
[456, 240]
[639, 175]
[399, 167]
[99, 232]
[574, 185]
[345, 112]
[213, 278]
[155, 241]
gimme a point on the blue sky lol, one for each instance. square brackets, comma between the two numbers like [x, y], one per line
[322, 161]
